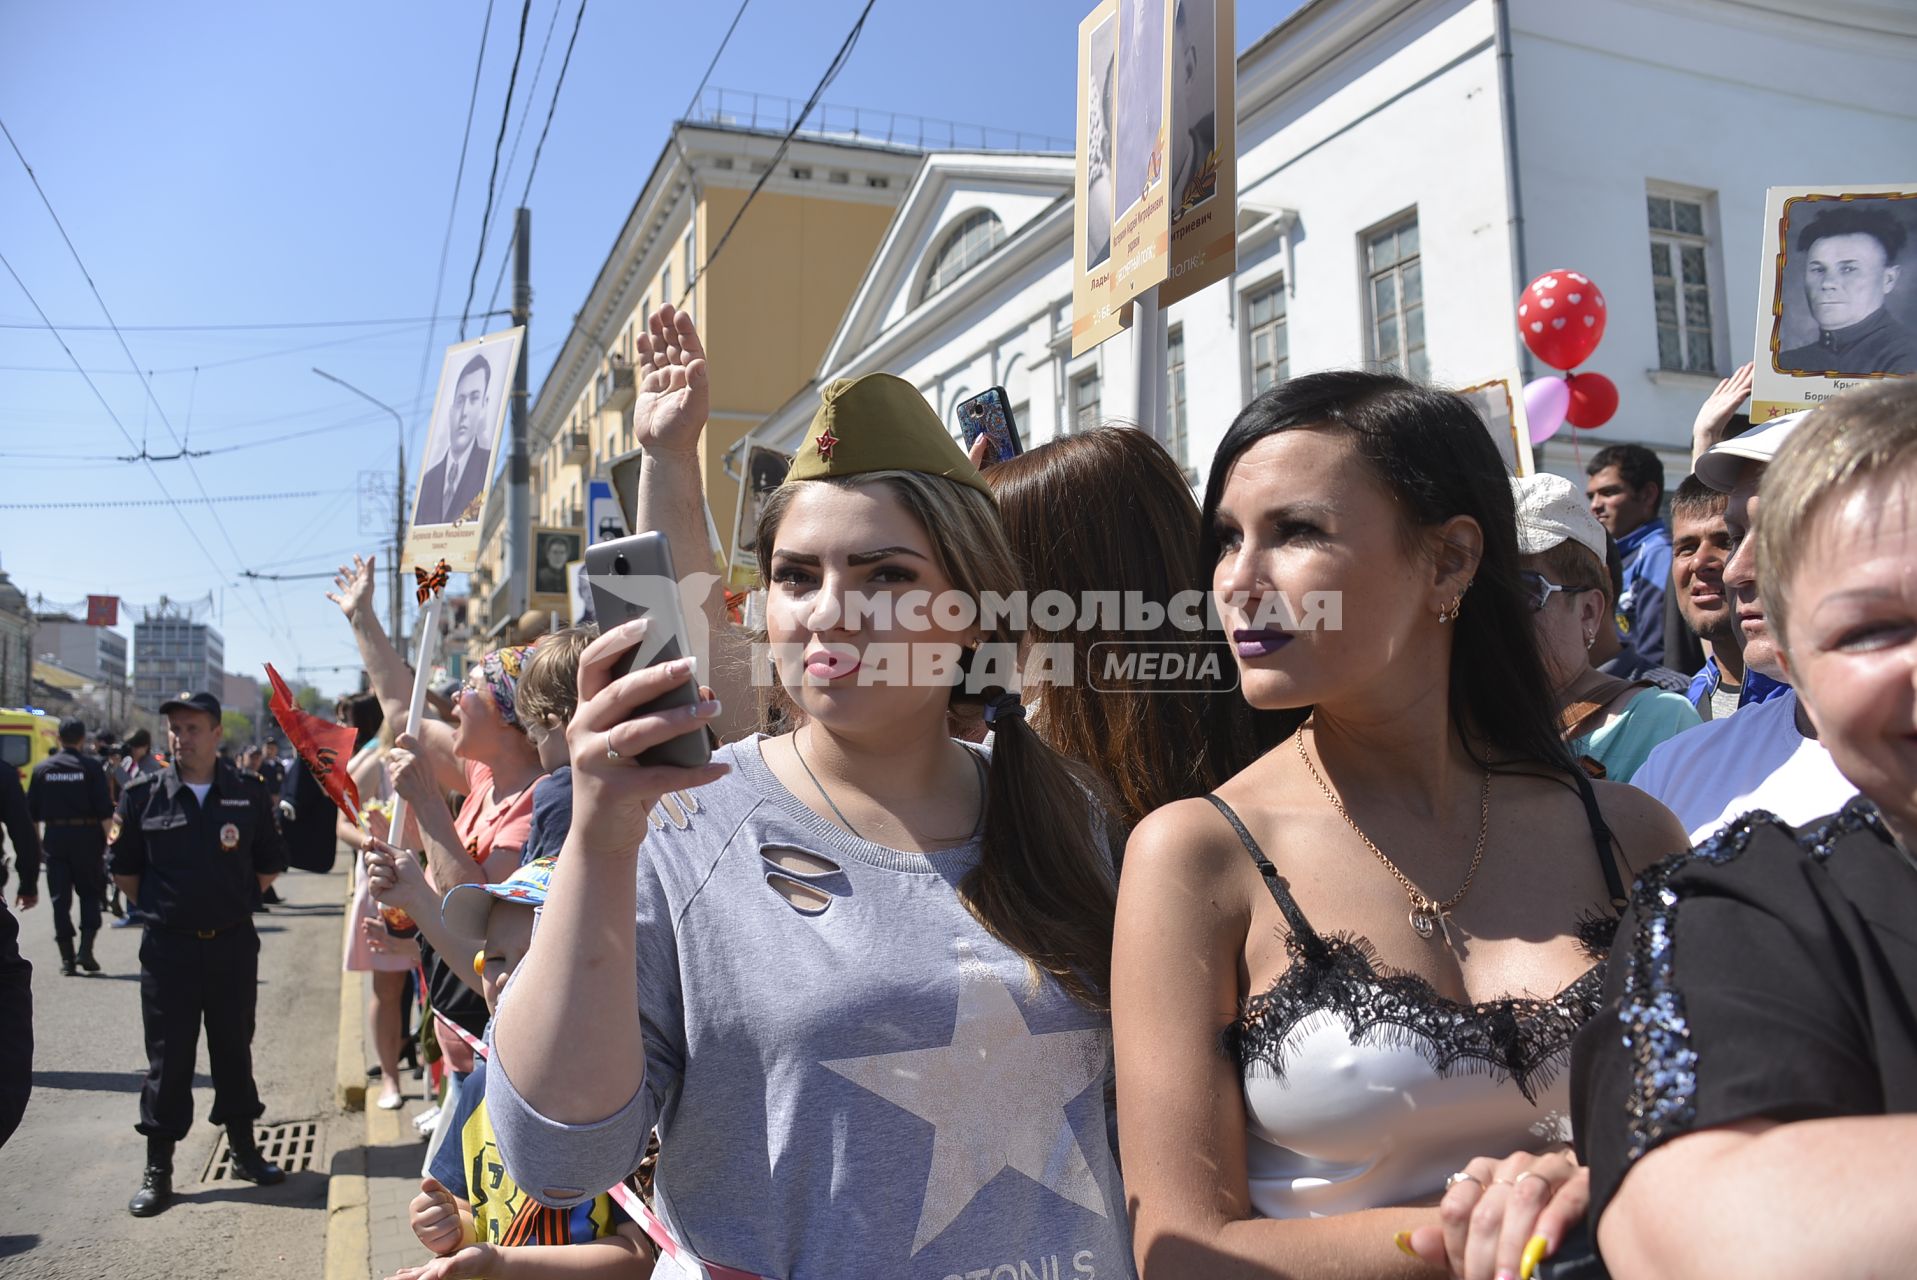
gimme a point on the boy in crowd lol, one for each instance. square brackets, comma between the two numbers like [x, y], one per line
[469, 1212]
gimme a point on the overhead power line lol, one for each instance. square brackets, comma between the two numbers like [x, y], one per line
[831, 73]
[452, 214]
[492, 181]
[526, 194]
[45, 323]
[169, 501]
[147, 384]
[716, 54]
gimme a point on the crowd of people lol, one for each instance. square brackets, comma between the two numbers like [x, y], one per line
[1544, 905]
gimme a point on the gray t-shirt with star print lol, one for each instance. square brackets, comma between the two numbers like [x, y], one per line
[850, 1077]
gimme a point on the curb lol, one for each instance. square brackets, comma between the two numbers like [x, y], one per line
[350, 1070]
[348, 1227]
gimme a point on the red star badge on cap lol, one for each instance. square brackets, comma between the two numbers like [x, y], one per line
[827, 443]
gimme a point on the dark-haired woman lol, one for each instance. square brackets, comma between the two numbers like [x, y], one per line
[864, 1000]
[1392, 918]
[1107, 511]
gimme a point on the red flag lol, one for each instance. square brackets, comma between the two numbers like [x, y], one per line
[103, 611]
[323, 745]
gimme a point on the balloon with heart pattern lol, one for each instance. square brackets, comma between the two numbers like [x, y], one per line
[1561, 318]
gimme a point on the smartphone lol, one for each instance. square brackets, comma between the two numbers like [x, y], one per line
[989, 413]
[633, 578]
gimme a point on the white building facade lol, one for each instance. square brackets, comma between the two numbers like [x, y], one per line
[1404, 168]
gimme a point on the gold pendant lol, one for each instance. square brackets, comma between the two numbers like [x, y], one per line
[1424, 919]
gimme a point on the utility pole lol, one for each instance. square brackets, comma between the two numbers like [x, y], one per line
[518, 494]
[395, 587]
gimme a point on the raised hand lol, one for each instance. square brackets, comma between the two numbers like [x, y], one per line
[434, 1217]
[673, 399]
[611, 792]
[1715, 416]
[352, 587]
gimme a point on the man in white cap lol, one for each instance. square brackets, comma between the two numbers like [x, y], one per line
[1766, 755]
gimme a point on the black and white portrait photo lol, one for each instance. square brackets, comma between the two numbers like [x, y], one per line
[553, 550]
[1848, 289]
[464, 434]
[1099, 206]
[1141, 99]
[1194, 130]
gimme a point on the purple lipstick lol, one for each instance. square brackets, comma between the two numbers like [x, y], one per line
[1258, 644]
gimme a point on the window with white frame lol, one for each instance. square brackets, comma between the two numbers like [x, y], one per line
[1394, 280]
[964, 247]
[1175, 395]
[665, 285]
[1084, 405]
[1681, 283]
[692, 263]
[1266, 330]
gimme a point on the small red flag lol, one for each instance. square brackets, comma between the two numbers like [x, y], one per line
[103, 611]
[323, 745]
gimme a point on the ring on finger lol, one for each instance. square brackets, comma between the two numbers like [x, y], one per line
[1530, 1173]
[1462, 1176]
[610, 753]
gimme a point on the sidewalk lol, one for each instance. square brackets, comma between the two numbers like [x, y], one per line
[378, 1172]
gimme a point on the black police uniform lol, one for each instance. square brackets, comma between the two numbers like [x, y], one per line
[20, 830]
[198, 864]
[69, 794]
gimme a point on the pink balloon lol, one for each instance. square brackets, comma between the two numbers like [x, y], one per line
[1546, 401]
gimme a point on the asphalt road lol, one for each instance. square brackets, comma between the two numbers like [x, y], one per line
[67, 1173]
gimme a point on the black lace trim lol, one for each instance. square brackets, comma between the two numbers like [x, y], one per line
[1524, 1040]
[1657, 1031]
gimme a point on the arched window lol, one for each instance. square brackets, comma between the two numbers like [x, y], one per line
[964, 247]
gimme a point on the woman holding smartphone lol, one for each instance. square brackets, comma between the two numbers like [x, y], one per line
[864, 996]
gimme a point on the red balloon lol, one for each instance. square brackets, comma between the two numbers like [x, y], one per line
[1561, 318]
[1593, 400]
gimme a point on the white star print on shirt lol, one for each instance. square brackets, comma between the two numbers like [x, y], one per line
[996, 1097]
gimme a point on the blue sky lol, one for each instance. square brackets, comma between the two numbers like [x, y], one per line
[243, 163]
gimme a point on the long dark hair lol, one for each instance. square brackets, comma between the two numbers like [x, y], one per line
[1433, 454]
[1107, 510]
[1045, 884]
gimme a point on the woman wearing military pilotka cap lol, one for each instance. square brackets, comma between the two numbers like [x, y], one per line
[867, 976]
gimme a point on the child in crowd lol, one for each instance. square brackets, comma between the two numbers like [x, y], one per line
[469, 1211]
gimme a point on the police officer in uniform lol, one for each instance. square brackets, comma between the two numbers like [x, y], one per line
[196, 841]
[69, 795]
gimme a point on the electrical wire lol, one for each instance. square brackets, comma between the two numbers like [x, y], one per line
[452, 214]
[831, 73]
[145, 382]
[45, 323]
[486, 219]
[713, 65]
[167, 501]
[544, 129]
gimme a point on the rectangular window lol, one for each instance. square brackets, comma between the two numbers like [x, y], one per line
[1175, 395]
[1395, 284]
[692, 263]
[1681, 283]
[1085, 400]
[1267, 330]
[665, 285]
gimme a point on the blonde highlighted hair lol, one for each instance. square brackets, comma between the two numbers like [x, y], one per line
[1865, 436]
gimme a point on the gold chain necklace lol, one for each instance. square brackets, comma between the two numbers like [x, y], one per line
[1426, 914]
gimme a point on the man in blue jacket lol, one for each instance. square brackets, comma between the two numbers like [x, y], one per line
[1625, 488]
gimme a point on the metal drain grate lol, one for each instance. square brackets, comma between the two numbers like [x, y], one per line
[294, 1147]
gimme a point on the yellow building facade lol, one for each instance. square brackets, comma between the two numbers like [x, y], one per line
[766, 307]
